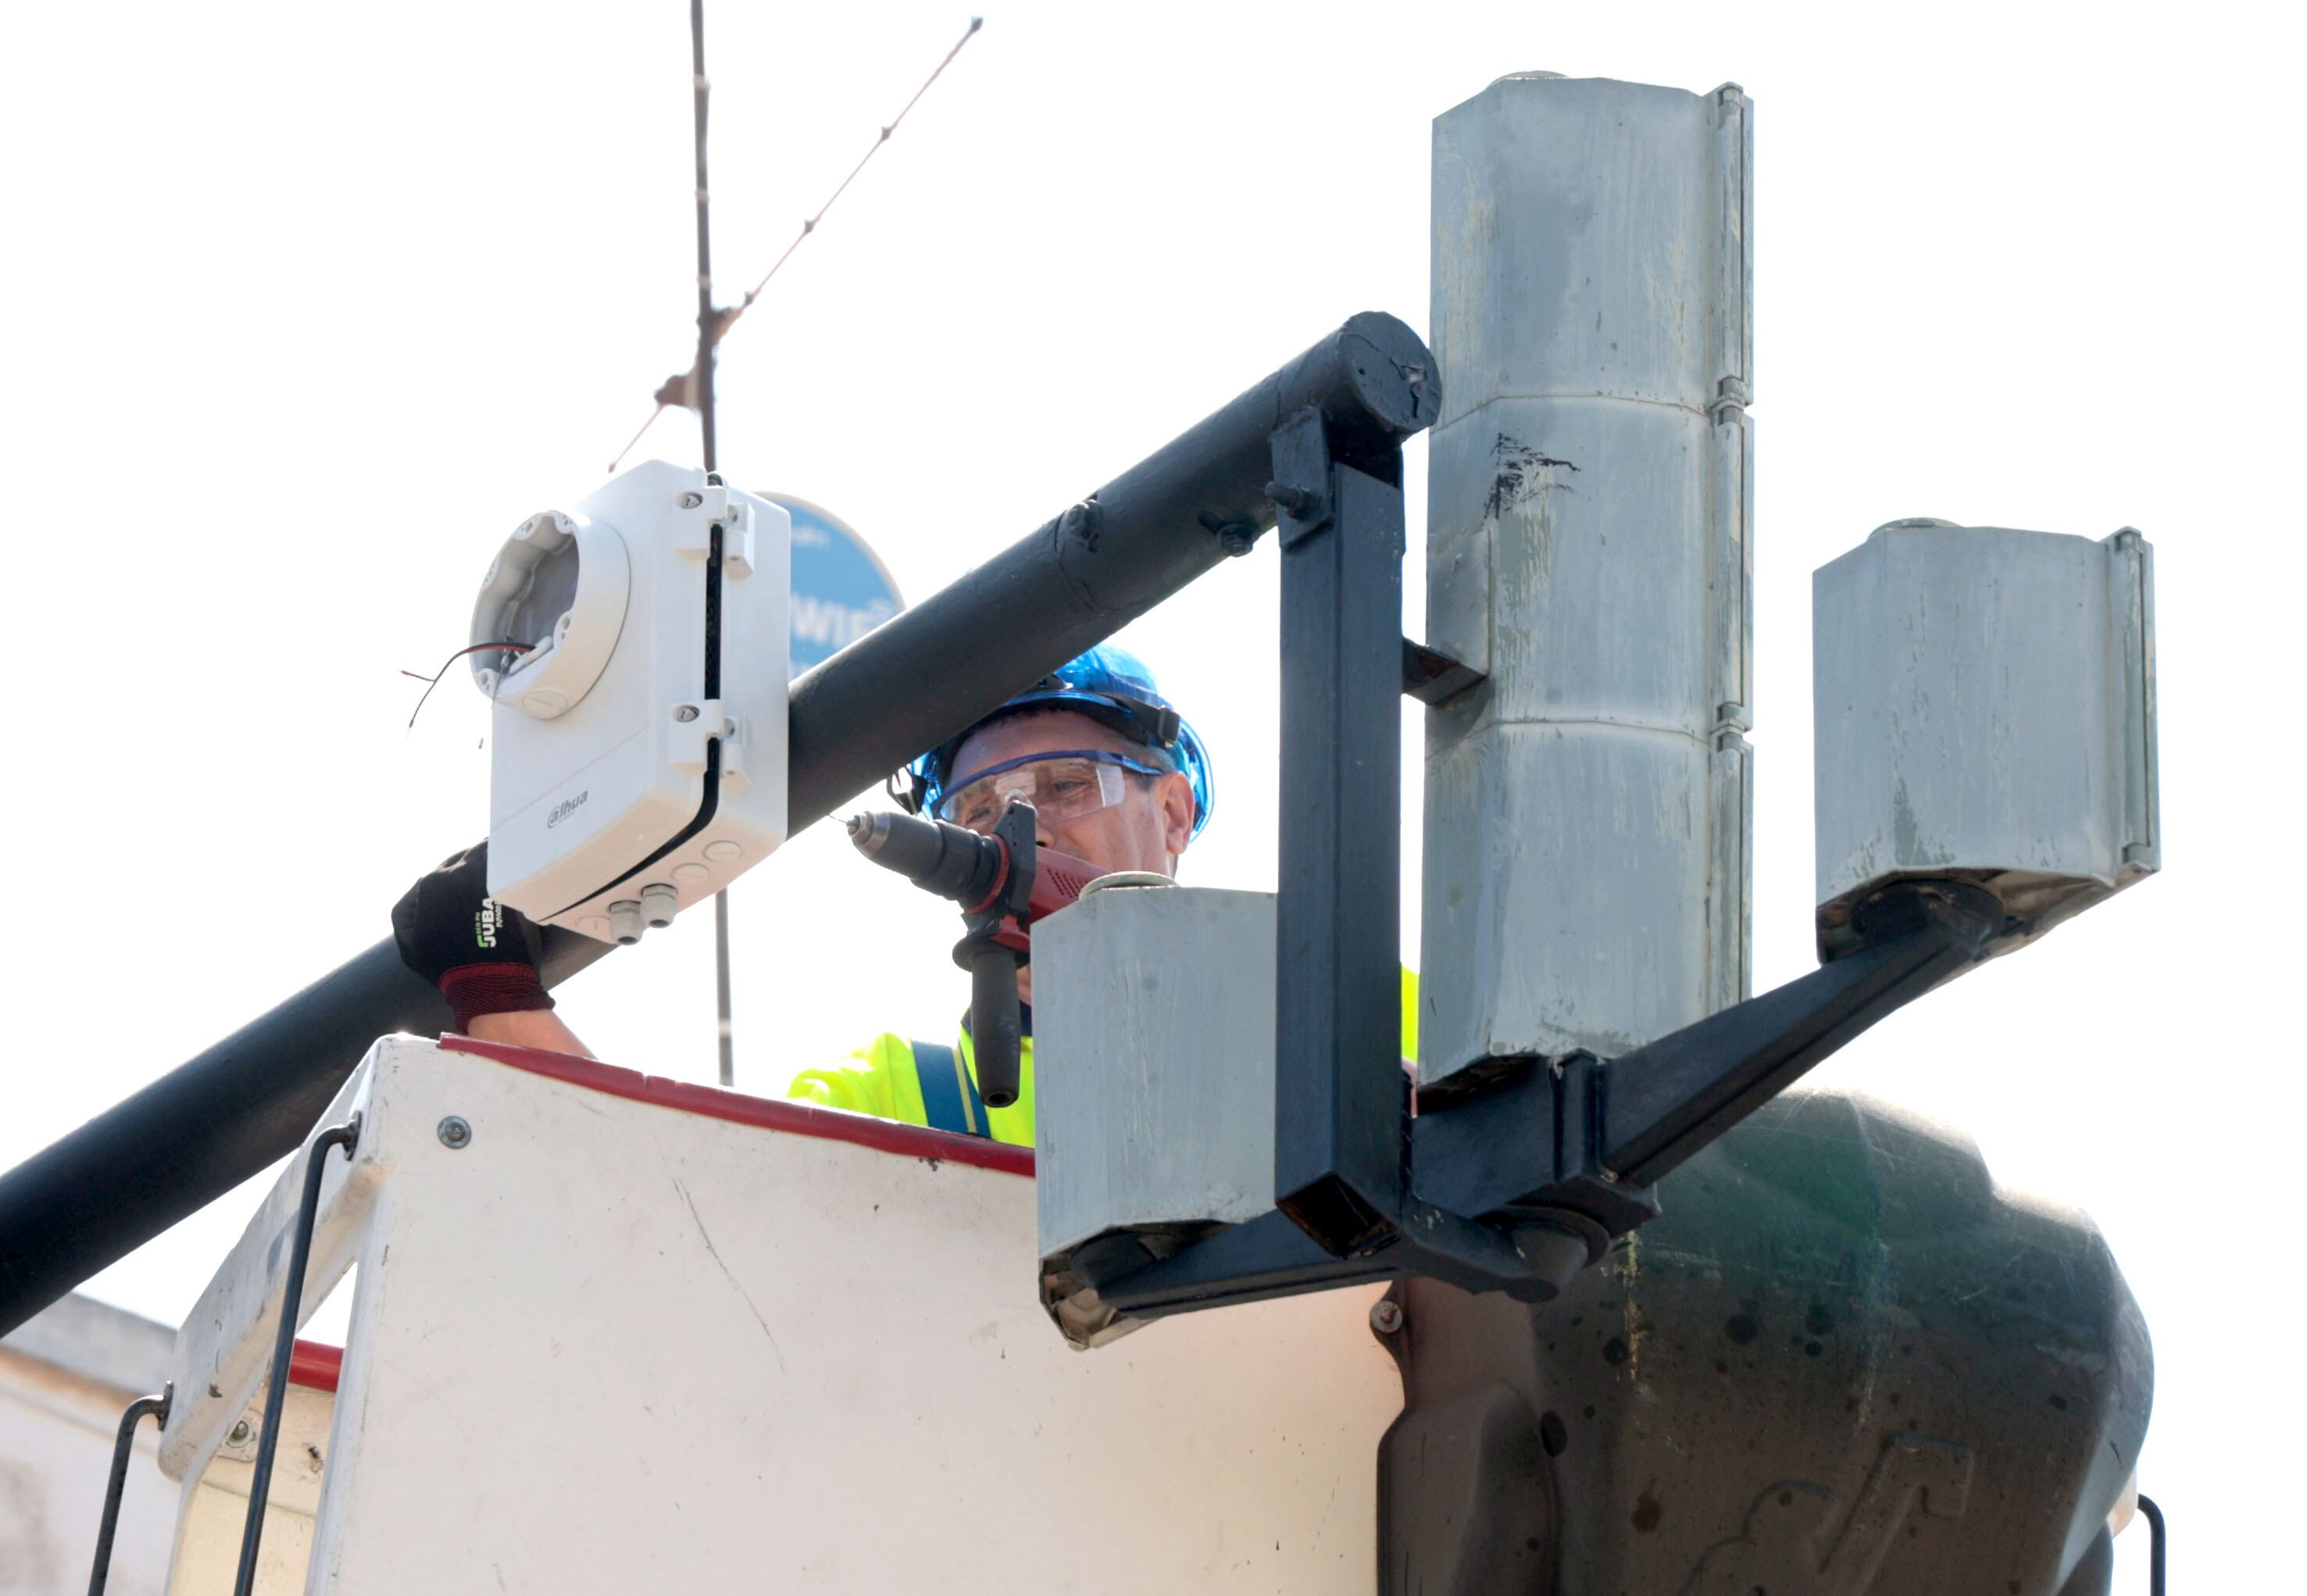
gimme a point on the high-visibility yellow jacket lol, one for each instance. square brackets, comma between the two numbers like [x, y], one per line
[885, 1080]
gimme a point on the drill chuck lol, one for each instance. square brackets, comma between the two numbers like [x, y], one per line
[934, 854]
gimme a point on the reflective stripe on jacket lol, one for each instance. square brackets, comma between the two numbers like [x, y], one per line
[885, 1081]
[884, 1078]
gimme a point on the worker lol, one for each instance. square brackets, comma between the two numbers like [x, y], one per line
[1116, 776]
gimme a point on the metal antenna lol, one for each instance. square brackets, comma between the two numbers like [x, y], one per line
[693, 388]
[701, 373]
[701, 377]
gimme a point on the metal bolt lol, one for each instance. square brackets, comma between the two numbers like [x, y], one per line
[239, 1436]
[1080, 524]
[1297, 501]
[686, 712]
[455, 1134]
[1385, 1315]
[691, 500]
[1238, 541]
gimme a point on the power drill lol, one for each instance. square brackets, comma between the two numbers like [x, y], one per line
[1004, 882]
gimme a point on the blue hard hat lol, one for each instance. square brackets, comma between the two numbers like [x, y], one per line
[1111, 686]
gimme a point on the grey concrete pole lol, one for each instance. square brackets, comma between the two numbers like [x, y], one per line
[1588, 514]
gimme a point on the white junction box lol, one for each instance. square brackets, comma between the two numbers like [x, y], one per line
[635, 650]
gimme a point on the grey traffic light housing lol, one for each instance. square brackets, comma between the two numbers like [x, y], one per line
[1984, 713]
[1986, 769]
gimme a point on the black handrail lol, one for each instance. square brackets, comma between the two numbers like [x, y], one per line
[284, 1344]
[2155, 1539]
[123, 1449]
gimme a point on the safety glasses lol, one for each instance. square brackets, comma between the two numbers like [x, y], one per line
[1063, 785]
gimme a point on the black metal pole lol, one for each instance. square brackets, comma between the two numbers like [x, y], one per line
[204, 1127]
[955, 657]
[198, 1131]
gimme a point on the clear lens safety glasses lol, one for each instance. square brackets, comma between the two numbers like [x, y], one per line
[1060, 787]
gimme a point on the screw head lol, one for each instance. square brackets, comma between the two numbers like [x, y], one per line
[686, 712]
[1385, 1315]
[455, 1134]
[1294, 500]
[239, 1436]
[691, 500]
[1238, 541]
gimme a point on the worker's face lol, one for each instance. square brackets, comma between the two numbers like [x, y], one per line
[1148, 830]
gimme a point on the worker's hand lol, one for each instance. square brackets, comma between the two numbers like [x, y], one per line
[483, 955]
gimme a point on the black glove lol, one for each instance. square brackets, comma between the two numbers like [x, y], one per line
[482, 953]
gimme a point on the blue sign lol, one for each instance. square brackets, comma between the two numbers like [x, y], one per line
[841, 590]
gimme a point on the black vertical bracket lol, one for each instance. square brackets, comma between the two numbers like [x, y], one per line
[1341, 1098]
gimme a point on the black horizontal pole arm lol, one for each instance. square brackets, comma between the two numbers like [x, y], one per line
[1554, 1161]
[1591, 1137]
[206, 1125]
[1664, 1102]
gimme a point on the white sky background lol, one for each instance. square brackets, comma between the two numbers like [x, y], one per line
[306, 308]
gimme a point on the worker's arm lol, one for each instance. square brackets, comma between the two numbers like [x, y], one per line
[529, 1027]
[482, 955]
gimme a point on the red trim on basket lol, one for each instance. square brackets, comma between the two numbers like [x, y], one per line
[316, 1364]
[769, 1114]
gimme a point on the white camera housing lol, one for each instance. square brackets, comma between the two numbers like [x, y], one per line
[637, 751]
